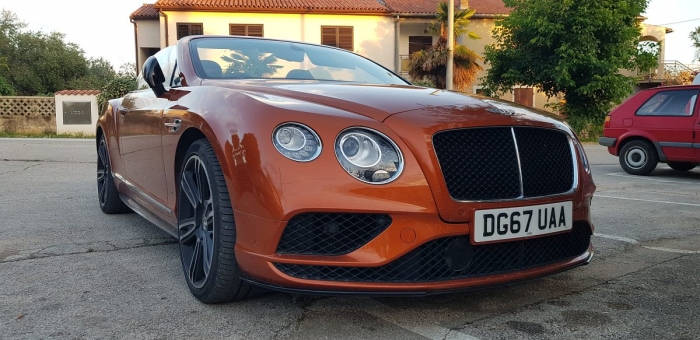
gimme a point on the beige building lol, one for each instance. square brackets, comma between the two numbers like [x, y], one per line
[386, 31]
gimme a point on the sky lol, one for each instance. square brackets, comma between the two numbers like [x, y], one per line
[102, 27]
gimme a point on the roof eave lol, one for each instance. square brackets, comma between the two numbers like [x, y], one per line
[273, 10]
[432, 15]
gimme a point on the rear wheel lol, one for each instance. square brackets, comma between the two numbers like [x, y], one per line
[107, 193]
[682, 166]
[638, 157]
[207, 231]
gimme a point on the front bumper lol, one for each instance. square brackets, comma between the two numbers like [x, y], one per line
[260, 264]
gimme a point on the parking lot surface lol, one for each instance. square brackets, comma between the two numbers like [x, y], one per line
[69, 271]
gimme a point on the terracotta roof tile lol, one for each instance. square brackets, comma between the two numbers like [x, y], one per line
[78, 92]
[345, 6]
[146, 12]
[430, 6]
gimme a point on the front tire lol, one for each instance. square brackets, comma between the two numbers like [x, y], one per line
[207, 231]
[682, 166]
[638, 157]
[107, 193]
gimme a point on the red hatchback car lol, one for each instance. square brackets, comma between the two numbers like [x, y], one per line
[655, 125]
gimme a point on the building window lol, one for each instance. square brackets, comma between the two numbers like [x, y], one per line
[338, 36]
[245, 30]
[419, 43]
[186, 29]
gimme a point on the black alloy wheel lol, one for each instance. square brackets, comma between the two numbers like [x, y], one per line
[206, 229]
[107, 193]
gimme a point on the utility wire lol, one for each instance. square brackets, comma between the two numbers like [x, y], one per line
[678, 22]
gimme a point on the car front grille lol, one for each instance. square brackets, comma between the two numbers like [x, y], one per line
[330, 233]
[455, 258]
[500, 163]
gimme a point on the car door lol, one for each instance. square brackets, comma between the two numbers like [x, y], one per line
[140, 127]
[671, 116]
[696, 135]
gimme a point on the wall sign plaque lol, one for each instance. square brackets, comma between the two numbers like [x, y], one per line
[77, 113]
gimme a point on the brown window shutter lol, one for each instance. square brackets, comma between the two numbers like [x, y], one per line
[245, 30]
[196, 29]
[183, 30]
[236, 29]
[255, 30]
[328, 36]
[345, 38]
[335, 36]
[523, 96]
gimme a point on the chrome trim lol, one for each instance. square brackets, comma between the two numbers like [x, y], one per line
[676, 144]
[149, 216]
[520, 167]
[574, 160]
[143, 195]
[399, 171]
[174, 126]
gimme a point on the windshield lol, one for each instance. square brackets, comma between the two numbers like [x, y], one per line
[241, 58]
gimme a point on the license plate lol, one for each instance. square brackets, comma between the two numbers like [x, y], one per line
[509, 223]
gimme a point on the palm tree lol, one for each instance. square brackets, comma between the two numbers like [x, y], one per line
[251, 64]
[431, 64]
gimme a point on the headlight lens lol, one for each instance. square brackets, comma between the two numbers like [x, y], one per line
[368, 155]
[584, 158]
[296, 142]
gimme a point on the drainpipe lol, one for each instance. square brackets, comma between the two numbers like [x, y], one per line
[450, 44]
[136, 46]
[165, 16]
[397, 33]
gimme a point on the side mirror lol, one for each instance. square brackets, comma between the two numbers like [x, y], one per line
[153, 75]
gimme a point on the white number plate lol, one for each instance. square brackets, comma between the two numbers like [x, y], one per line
[510, 223]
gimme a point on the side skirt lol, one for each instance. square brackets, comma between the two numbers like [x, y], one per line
[149, 216]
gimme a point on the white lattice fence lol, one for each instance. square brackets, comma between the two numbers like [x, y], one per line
[27, 106]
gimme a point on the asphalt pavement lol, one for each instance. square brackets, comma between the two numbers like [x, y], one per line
[68, 271]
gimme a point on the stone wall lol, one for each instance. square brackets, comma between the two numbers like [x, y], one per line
[27, 114]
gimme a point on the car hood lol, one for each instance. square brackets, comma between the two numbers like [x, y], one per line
[374, 101]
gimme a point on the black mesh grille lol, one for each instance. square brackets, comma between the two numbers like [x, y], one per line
[435, 260]
[482, 163]
[330, 233]
[478, 164]
[546, 160]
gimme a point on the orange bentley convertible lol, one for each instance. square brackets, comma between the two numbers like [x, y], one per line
[307, 168]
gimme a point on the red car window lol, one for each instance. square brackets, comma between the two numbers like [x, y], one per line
[670, 103]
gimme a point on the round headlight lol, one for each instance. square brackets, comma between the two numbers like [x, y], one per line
[368, 155]
[360, 149]
[296, 142]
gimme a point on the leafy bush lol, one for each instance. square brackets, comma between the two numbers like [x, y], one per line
[424, 83]
[116, 88]
[587, 128]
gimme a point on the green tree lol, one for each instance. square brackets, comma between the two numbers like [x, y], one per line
[647, 58]
[695, 37]
[571, 47]
[99, 72]
[431, 64]
[43, 63]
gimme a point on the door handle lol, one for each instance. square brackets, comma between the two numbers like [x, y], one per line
[174, 125]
